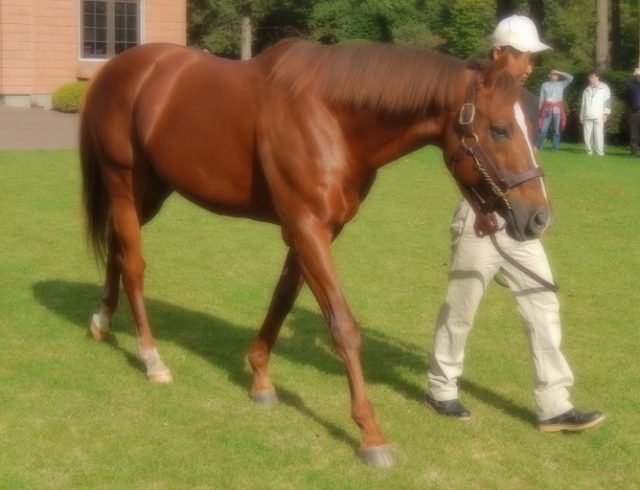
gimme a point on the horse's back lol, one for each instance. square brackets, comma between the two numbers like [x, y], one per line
[191, 116]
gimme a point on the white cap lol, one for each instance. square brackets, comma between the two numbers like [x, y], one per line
[519, 32]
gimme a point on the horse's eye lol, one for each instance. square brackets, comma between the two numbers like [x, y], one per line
[499, 132]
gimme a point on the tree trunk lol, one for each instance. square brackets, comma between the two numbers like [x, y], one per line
[616, 38]
[536, 14]
[603, 55]
[504, 9]
[245, 12]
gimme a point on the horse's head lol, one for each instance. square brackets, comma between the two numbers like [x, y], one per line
[489, 150]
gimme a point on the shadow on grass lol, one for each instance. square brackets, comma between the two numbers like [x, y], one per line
[385, 359]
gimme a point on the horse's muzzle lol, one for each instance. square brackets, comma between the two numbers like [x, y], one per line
[527, 224]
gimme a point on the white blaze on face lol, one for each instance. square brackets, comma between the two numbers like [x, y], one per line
[522, 123]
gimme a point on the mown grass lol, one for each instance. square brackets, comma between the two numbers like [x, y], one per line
[75, 413]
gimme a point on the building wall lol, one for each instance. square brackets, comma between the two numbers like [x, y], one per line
[40, 39]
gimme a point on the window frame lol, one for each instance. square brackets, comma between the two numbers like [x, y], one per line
[110, 28]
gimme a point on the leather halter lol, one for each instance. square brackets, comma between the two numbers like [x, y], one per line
[500, 181]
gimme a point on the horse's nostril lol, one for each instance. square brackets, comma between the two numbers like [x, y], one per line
[539, 221]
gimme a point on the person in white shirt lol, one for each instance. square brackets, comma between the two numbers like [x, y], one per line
[596, 107]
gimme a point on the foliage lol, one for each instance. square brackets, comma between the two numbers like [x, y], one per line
[344, 21]
[629, 13]
[78, 414]
[570, 30]
[215, 24]
[469, 25]
[460, 27]
[68, 97]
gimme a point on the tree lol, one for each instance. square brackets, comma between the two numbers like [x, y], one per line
[603, 55]
[616, 36]
[536, 13]
[470, 23]
[504, 9]
[215, 25]
[571, 33]
[245, 51]
[629, 17]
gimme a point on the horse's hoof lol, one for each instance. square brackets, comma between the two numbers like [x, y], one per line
[380, 456]
[96, 333]
[267, 397]
[161, 377]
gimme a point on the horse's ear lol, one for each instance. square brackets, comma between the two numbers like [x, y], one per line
[496, 68]
[504, 63]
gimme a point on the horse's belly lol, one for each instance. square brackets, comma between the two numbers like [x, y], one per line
[210, 162]
[224, 187]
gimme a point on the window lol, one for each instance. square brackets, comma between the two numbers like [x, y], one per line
[109, 27]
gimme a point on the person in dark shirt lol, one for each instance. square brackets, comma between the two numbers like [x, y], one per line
[633, 86]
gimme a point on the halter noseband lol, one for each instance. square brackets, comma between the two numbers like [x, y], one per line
[500, 181]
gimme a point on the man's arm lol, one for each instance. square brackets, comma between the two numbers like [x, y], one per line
[568, 78]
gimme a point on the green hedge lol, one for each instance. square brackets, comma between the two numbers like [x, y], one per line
[68, 97]
[616, 128]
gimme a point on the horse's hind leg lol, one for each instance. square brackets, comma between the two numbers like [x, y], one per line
[101, 322]
[283, 299]
[156, 192]
[125, 259]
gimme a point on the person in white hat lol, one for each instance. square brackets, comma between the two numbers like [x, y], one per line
[475, 260]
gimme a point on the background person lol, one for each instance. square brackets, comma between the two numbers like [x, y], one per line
[594, 111]
[633, 87]
[475, 260]
[552, 107]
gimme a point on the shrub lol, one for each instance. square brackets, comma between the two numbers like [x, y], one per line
[68, 97]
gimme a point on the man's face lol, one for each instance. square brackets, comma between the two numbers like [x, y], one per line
[593, 79]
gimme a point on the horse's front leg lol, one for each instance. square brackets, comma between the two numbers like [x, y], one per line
[312, 245]
[283, 299]
[101, 322]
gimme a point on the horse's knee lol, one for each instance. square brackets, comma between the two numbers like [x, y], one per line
[345, 334]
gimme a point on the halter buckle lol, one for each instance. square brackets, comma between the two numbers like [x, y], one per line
[471, 109]
[464, 144]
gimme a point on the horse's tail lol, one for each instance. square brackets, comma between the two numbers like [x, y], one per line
[95, 200]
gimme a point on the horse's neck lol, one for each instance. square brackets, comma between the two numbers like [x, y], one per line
[387, 139]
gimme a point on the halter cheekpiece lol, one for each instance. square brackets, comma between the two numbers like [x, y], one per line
[500, 181]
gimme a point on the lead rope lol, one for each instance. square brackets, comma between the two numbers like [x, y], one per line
[543, 282]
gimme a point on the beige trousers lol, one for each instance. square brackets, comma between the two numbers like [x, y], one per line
[474, 263]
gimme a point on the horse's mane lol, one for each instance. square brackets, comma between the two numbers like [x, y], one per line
[381, 77]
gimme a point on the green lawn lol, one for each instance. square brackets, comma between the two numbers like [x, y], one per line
[78, 414]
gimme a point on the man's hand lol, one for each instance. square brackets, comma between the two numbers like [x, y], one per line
[485, 224]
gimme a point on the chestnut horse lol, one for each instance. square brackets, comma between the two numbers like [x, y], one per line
[293, 137]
